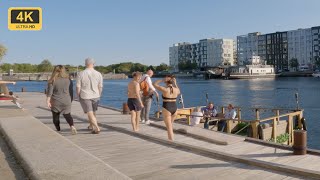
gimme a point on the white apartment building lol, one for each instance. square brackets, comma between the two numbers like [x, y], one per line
[220, 52]
[208, 52]
[247, 46]
[300, 46]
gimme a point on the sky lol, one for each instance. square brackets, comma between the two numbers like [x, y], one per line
[114, 31]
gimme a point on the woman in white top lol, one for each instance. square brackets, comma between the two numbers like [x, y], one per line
[196, 116]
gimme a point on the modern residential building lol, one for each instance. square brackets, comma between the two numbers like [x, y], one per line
[247, 46]
[277, 50]
[208, 52]
[262, 47]
[315, 32]
[300, 46]
[179, 52]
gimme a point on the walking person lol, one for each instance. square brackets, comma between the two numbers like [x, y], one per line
[134, 100]
[148, 91]
[59, 97]
[170, 93]
[89, 89]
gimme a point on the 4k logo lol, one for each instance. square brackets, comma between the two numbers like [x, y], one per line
[25, 18]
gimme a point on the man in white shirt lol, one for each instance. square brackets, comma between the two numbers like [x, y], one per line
[229, 114]
[147, 99]
[89, 89]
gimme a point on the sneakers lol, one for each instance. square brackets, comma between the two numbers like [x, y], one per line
[73, 130]
[148, 122]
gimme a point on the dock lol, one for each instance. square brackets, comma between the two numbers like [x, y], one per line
[119, 153]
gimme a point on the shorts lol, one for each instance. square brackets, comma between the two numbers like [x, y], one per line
[89, 104]
[134, 104]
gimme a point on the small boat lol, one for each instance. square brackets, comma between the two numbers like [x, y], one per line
[316, 74]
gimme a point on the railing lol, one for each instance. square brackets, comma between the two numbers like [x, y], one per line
[254, 123]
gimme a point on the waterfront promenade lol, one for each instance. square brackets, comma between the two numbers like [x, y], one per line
[119, 153]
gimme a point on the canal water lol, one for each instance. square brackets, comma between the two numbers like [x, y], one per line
[268, 93]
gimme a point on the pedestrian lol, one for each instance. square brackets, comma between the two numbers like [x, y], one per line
[148, 91]
[59, 97]
[134, 100]
[170, 93]
[89, 90]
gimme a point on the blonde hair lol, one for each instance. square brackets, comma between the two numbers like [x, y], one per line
[59, 71]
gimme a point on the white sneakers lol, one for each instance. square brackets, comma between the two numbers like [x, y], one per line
[146, 122]
[73, 130]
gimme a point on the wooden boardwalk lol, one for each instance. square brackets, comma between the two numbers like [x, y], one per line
[140, 157]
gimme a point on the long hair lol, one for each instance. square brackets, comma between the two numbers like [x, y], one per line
[58, 72]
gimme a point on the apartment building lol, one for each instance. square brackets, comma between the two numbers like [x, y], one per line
[207, 52]
[315, 33]
[277, 50]
[300, 46]
[247, 46]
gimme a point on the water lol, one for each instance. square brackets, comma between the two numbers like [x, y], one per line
[268, 93]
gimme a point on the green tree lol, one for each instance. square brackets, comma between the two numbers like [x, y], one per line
[294, 63]
[3, 51]
[317, 61]
[162, 67]
[187, 66]
[45, 66]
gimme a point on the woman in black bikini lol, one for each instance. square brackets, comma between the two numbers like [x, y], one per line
[169, 96]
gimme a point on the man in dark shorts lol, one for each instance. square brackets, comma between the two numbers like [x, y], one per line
[89, 89]
[134, 100]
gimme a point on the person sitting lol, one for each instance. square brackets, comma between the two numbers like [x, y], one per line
[196, 116]
[15, 100]
[208, 112]
[229, 114]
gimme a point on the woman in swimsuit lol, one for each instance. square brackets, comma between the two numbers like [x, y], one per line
[169, 96]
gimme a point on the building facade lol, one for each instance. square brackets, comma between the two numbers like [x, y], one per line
[277, 50]
[315, 32]
[300, 46]
[247, 46]
[207, 52]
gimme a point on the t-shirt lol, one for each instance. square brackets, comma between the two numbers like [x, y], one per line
[230, 114]
[89, 81]
[195, 119]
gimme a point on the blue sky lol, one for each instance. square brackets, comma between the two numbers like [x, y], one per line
[113, 31]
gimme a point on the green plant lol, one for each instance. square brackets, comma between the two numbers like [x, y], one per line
[281, 138]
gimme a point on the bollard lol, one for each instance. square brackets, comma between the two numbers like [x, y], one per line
[125, 109]
[45, 91]
[300, 142]
[23, 89]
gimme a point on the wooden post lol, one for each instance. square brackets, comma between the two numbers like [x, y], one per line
[254, 125]
[158, 114]
[188, 119]
[290, 130]
[229, 126]
[257, 114]
[222, 110]
[239, 114]
[299, 120]
[274, 129]
[278, 114]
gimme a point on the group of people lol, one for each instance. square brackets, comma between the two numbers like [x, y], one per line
[210, 112]
[140, 92]
[88, 89]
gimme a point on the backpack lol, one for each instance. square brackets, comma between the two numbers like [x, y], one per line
[144, 87]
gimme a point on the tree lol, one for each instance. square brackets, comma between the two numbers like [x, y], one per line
[3, 51]
[151, 67]
[162, 67]
[187, 65]
[45, 66]
[317, 61]
[294, 63]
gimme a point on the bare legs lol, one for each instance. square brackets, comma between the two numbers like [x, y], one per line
[93, 121]
[135, 118]
[168, 120]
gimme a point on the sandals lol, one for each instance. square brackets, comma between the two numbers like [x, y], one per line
[95, 132]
